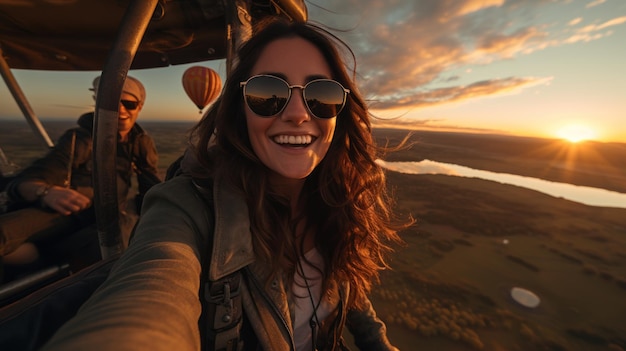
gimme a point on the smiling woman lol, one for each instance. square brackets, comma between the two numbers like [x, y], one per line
[575, 133]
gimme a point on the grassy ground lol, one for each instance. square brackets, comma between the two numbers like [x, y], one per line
[449, 287]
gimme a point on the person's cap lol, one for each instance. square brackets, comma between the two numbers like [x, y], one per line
[132, 86]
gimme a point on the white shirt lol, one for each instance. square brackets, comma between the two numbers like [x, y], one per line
[303, 306]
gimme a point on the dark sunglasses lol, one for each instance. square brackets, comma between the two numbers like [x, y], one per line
[267, 96]
[129, 104]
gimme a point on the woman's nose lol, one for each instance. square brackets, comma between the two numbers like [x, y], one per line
[296, 110]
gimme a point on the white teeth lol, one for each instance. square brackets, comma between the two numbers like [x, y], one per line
[293, 139]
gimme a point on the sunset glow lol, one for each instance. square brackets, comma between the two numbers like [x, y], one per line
[528, 68]
[575, 133]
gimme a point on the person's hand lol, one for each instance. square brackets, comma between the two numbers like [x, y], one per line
[65, 201]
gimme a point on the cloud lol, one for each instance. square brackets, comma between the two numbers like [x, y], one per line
[575, 21]
[602, 26]
[595, 3]
[477, 5]
[405, 49]
[446, 95]
[594, 31]
[495, 46]
[431, 124]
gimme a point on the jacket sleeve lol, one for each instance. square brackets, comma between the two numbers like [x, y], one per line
[369, 332]
[53, 167]
[150, 299]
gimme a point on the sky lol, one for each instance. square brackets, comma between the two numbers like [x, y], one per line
[546, 68]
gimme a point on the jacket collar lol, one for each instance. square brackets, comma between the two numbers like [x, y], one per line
[232, 241]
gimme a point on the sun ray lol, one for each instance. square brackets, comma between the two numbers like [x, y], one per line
[565, 160]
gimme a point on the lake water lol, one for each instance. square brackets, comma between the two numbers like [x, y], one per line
[582, 194]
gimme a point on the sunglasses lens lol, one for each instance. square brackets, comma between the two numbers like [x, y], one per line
[325, 98]
[265, 95]
[129, 105]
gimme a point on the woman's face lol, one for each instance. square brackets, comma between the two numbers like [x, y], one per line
[293, 142]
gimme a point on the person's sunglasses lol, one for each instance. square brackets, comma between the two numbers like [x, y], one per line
[129, 104]
[267, 96]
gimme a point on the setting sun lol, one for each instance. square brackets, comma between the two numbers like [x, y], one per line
[576, 133]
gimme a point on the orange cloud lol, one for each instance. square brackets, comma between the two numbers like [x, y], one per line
[459, 93]
[507, 46]
[429, 124]
[462, 8]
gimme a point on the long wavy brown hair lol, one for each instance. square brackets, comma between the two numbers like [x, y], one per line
[347, 202]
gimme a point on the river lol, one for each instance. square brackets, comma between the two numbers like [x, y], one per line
[582, 194]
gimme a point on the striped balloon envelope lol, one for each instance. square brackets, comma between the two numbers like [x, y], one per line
[202, 85]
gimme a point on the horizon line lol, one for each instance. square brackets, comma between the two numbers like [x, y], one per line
[417, 127]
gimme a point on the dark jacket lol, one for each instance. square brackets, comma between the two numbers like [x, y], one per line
[138, 155]
[150, 300]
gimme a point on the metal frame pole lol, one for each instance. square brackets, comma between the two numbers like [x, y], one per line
[238, 27]
[132, 29]
[22, 102]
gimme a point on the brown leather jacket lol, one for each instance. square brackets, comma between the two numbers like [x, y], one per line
[138, 155]
[150, 300]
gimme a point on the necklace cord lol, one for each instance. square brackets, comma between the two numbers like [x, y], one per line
[314, 321]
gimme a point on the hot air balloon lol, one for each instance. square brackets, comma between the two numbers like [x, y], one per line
[202, 85]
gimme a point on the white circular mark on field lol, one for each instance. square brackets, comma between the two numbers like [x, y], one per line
[525, 297]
